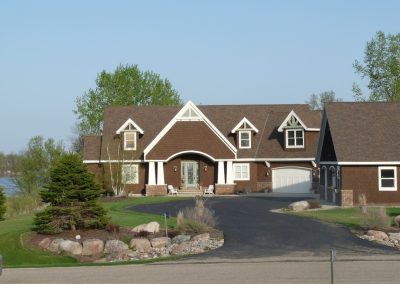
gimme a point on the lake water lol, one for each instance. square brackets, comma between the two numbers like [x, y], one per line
[9, 185]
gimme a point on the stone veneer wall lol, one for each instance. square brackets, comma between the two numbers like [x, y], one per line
[221, 189]
[156, 190]
[264, 185]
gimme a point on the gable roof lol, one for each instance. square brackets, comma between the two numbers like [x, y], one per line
[243, 121]
[292, 115]
[126, 124]
[363, 132]
[267, 143]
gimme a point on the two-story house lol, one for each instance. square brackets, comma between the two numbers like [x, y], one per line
[234, 147]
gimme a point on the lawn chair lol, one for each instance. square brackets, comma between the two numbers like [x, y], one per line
[172, 190]
[209, 190]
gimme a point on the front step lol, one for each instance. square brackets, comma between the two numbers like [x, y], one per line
[190, 192]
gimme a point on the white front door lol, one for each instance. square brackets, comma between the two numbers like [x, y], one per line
[190, 174]
[291, 180]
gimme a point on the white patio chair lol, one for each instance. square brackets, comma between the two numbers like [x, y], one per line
[209, 190]
[172, 190]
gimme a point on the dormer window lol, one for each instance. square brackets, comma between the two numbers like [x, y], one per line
[130, 140]
[294, 138]
[244, 139]
[130, 132]
[244, 130]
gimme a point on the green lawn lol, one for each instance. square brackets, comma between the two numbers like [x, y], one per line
[350, 217]
[17, 256]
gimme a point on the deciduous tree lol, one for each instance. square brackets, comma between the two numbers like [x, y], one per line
[317, 102]
[381, 67]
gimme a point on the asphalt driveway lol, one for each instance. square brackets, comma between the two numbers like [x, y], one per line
[252, 231]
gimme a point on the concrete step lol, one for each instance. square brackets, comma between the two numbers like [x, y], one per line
[190, 192]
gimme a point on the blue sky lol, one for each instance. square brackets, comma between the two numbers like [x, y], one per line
[213, 52]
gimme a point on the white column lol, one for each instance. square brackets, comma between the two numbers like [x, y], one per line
[229, 172]
[221, 173]
[152, 173]
[160, 173]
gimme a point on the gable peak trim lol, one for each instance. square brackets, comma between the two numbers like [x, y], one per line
[290, 116]
[180, 117]
[244, 120]
[126, 124]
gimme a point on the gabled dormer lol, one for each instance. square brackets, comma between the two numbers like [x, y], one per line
[130, 132]
[244, 130]
[293, 129]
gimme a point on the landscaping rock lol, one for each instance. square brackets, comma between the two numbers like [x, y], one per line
[92, 247]
[55, 245]
[160, 242]
[115, 246]
[181, 249]
[378, 235]
[201, 237]
[139, 228]
[71, 247]
[397, 221]
[45, 243]
[152, 227]
[299, 206]
[394, 236]
[180, 239]
[140, 244]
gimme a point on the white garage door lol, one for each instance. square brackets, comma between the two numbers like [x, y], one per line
[291, 180]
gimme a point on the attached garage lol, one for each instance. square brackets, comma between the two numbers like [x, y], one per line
[291, 180]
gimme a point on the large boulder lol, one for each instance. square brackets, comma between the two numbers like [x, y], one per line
[180, 239]
[378, 235]
[55, 245]
[183, 248]
[45, 243]
[397, 221]
[160, 242]
[140, 244]
[201, 237]
[92, 247]
[152, 227]
[299, 206]
[71, 247]
[115, 246]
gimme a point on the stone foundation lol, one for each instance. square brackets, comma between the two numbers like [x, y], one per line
[156, 190]
[222, 189]
[347, 198]
[315, 187]
[264, 186]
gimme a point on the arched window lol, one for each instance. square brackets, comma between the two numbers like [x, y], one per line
[332, 177]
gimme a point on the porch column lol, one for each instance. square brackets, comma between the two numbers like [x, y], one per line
[152, 173]
[160, 173]
[221, 173]
[229, 172]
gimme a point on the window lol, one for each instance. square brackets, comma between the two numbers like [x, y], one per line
[130, 174]
[295, 138]
[244, 139]
[241, 171]
[387, 178]
[130, 140]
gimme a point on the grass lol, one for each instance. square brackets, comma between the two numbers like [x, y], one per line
[12, 230]
[350, 217]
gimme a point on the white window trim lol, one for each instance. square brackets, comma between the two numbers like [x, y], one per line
[295, 140]
[241, 165]
[240, 139]
[136, 166]
[135, 140]
[380, 178]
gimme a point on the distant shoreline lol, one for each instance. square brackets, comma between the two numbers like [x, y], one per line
[9, 185]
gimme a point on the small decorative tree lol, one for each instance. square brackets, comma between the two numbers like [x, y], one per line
[72, 194]
[2, 204]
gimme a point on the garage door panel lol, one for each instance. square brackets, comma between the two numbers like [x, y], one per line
[291, 180]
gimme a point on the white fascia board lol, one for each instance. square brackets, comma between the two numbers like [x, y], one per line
[350, 163]
[252, 127]
[130, 121]
[292, 113]
[268, 160]
[188, 105]
[111, 161]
